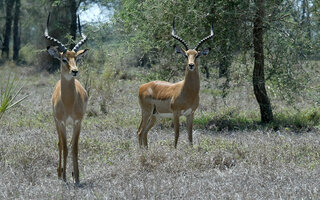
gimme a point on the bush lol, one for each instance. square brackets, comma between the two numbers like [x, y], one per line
[28, 54]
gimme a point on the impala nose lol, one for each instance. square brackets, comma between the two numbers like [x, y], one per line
[191, 66]
[74, 72]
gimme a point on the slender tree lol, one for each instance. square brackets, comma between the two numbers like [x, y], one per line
[16, 34]
[73, 24]
[258, 71]
[7, 33]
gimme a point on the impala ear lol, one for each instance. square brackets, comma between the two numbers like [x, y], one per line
[54, 52]
[180, 50]
[204, 52]
[81, 53]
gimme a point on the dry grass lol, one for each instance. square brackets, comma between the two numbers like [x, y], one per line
[236, 164]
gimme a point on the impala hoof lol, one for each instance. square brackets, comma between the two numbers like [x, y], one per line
[60, 171]
[76, 180]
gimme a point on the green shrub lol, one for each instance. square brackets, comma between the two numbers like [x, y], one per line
[297, 119]
[28, 54]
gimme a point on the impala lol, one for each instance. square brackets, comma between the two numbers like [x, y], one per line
[69, 99]
[164, 99]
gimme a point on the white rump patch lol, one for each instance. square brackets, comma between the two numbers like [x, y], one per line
[150, 91]
[68, 77]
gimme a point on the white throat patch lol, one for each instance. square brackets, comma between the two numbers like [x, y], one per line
[68, 76]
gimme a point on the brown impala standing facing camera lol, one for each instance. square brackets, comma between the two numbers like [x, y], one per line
[164, 99]
[69, 99]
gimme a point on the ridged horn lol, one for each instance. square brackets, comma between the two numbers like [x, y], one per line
[84, 38]
[178, 38]
[61, 46]
[206, 38]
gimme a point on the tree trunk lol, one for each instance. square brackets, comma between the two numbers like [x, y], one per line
[206, 69]
[224, 63]
[258, 71]
[7, 34]
[308, 21]
[58, 28]
[303, 5]
[16, 35]
[73, 24]
[224, 68]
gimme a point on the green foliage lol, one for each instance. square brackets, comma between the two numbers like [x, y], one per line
[9, 90]
[288, 47]
[29, 54]
[227, 120]
[233, 119]
[297, 120]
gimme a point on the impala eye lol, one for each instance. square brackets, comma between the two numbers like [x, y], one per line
[65, 60]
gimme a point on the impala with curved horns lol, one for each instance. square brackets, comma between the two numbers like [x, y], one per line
[69, 99]
[164, 99]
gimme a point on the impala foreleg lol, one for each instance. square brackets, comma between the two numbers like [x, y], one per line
[189, 127]
[59, 170]
[75, 142]
[62, 146]
[176, 128]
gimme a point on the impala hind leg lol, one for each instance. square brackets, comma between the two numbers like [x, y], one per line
[139, 133]
[75, 142]
[151, 122]
[146, 115]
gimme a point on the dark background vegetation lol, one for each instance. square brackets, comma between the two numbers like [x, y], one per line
[256, 129]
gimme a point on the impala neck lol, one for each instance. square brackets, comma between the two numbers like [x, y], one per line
[192, 80]
[68, 89]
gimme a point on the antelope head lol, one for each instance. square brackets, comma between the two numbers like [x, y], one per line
[191, 54]
[68, 59]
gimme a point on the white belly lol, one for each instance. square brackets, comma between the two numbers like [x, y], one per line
[164, 115]
[170, 115]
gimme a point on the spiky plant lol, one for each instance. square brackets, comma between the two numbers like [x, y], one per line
[9, 90]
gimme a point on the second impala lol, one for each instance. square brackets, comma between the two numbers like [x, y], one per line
[164, 99]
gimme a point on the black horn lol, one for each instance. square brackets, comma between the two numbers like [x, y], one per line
[61, 46]
[83, 40]
[178, 38]
[206, 38]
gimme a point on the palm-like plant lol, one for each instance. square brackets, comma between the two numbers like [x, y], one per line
[9, 90]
